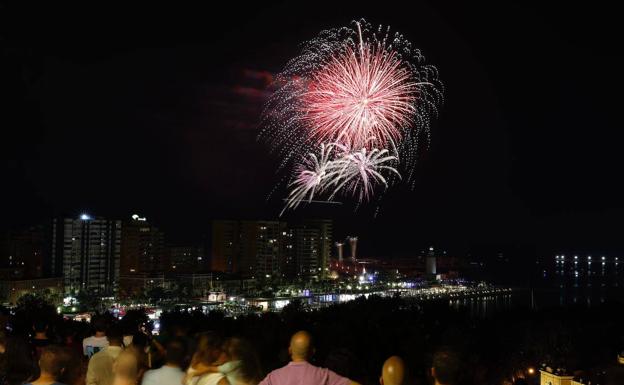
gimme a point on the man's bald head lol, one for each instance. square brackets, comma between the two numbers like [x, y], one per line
[300, 346]
[393, 371]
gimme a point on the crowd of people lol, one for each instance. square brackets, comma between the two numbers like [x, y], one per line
[40, 347]
[108, 357]
[366, 341]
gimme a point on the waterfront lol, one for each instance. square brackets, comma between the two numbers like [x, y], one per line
[476, 298]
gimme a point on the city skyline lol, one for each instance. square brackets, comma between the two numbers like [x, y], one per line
[398, 192]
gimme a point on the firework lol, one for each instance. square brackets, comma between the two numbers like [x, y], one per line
[363, 170]
[360, 99]
[348, 112]
[313, 176]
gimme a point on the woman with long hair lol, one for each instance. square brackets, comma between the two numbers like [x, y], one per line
[208, 354]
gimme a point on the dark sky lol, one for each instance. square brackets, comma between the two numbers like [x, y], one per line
[122, 109]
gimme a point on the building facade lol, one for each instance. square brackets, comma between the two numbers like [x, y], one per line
[187, 259]
[86, 252]
[312, 245]
[142, 247]
[260, 248]
[27, 249]
[550, 378]
[138, 284]
[268, 248]
[225, 246]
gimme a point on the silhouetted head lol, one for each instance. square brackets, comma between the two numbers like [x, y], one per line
[100, 325]
[140, 340]
[40, 326]
[300, 348]
[176, 352]
[114, 335]
[209, 348]
[393, 371]
[54, 361]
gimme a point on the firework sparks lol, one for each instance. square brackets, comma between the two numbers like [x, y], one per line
[356, 98]
[313, 176]
[360, 98]
[362, 171]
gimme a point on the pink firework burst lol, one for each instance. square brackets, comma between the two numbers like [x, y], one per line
[360, 99]
[348, 113]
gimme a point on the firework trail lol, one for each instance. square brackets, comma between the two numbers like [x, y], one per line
[348, 112]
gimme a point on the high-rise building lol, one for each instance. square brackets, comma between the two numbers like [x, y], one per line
[260, 247]
[288, 264]
[272, 248]
[142, 247]
[27, 249]
[225, 246]
[307, 251]
[430, 263]
[312, 247]
[251, 248]
[187, 259]
[86, 252]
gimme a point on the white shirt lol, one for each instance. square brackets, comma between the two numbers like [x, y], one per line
[127, 340]
[206, 379]
[93, 344]
[166, 375]
[232, 371]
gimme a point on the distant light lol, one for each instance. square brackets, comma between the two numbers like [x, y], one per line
[85, 217]
[431, 249]
[531, 371]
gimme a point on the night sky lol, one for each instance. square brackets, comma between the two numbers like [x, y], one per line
[120, 109]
